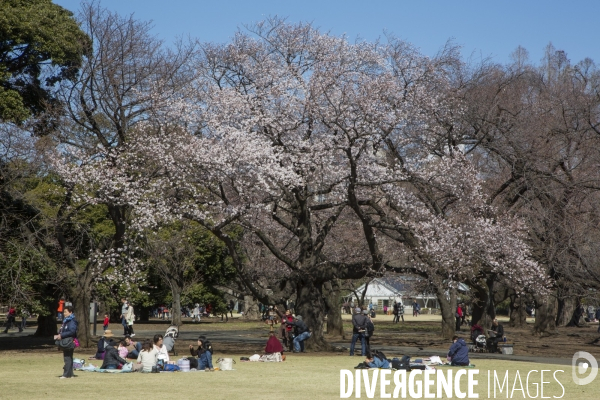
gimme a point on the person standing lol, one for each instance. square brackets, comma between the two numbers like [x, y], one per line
[130, 317]
[231, 306]
[400, 311]
[459, 317]
[395, 312]
[369, 329]
[10, 319]
[359, 327]
[67, 330]
[123, 316]
[416, 309]
[106, 322]
[59, 310]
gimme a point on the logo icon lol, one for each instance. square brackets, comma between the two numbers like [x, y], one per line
[580, 367]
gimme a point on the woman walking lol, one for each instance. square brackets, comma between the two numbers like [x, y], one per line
[68, 330]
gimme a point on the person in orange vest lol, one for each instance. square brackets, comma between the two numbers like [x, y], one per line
[61, 307]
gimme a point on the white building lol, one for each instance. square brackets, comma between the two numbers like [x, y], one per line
[385, 291]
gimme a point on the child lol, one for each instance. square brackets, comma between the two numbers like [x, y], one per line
[105, 322]
[123, 349]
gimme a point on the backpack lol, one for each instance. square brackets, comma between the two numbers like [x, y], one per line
[404, 363]
[379, 354]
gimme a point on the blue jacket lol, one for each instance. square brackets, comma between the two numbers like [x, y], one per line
[379, 363]
[69, 327]
[459, 351]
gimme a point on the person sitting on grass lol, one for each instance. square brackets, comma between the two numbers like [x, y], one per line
[133, 347]
[147, 358]
[376, 361]
[111, 356]
[273, 350]
[459, 352]
[122, 349]
[163, 353]
[204, 353]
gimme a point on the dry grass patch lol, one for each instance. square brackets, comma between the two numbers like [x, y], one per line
[34, 376]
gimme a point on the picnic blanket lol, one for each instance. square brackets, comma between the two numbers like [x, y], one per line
[459, 366]
[94, 369]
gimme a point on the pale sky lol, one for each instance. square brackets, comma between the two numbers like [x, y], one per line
[483, 28]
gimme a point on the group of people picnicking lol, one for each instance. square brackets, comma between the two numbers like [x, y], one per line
[149, 355]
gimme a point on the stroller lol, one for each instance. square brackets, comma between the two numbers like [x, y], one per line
[478, 338]
[169, 339]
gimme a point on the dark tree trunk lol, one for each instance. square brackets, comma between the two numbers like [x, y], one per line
[565, 309]
[144, 313]
[448, 309]
[484, 309]
[81, 297]
[335, 326]
[311, 306]
[545, 315]
[518, 315]
[176, 308]
[46, 324]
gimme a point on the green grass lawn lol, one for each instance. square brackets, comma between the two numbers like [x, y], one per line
[306, 376]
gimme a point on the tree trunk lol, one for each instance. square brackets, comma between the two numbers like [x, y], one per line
[518, 315]
[310, 305]
[545, 315]
[484, 309]
[448, 309]
[81, 297]
[46, 324]
[251, 310]
[565, 309]
[176, 308]
[335, 326]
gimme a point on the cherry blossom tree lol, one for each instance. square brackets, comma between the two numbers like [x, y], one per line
[304, 140]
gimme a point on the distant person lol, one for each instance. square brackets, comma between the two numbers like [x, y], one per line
[130, 318]
[459, 317]
[231, 306]
[10, 319]
[496, 333]
[67, 330]
[369, 329]
[400, 312]
[124, 308]
[416, 309]
[285, 330]
[301, 333]
[359, 327]
[196, 313]
[61, 307]
[459, 352]
[106, 322]
[598, 317]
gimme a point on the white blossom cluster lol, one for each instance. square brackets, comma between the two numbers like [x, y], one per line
[273, 133]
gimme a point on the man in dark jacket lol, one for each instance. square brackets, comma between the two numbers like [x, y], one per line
[301, 333]
[111, 356]
[496, 333]
[459, 352]
[359, 327]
